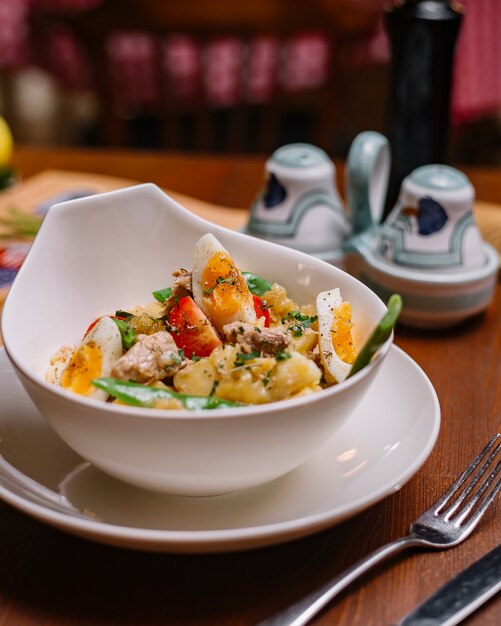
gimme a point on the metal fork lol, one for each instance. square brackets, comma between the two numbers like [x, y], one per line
[445, 524]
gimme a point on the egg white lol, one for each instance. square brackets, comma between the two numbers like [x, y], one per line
[336, 370]
[204, 251]
[96, 355]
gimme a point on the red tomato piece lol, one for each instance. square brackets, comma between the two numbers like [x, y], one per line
[260, 311]
[195, 334]
[115, 317]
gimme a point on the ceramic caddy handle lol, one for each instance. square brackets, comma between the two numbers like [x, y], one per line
[366, 179]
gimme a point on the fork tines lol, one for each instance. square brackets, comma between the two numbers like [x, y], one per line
[488, 456]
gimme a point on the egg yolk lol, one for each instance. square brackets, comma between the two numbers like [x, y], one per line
[223, 287]
[342, 340]
[85, 365]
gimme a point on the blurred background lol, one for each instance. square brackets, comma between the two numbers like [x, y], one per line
[227, 76]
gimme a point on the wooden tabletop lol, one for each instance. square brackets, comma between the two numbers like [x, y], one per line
[222, 180]
[49, 578]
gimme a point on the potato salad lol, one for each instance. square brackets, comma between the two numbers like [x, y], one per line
[216, 337]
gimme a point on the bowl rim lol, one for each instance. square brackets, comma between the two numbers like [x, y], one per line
[119, 410]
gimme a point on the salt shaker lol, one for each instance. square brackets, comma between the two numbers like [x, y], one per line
[299, 204]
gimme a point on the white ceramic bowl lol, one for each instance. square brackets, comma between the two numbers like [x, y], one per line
[109, 251]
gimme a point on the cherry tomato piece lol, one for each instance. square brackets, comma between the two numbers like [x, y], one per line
[261, 311]
[192, 330]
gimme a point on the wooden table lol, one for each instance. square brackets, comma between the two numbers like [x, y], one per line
[222, 180]
[48, 578]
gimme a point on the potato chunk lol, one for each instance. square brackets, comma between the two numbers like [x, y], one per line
[259, 380]
[232, 375]
[196, 378]
[306, 342]
[280, 304]
[294, 375]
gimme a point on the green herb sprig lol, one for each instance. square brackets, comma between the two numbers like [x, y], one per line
[127, 332]
[302, 321]
[220, 280]
[242, 358]
[19, 225]
[257, 285]
[162, 294]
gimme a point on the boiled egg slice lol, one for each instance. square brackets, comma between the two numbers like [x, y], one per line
[93, 358]
[218, 286]
[335, 339]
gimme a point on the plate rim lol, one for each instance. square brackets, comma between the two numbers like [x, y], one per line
[232, 539]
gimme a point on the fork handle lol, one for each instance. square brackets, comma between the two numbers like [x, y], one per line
[300, 613]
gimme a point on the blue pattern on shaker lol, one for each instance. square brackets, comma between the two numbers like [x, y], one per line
[275, 193]
[431, 216]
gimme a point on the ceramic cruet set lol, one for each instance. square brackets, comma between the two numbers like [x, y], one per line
[429, 248]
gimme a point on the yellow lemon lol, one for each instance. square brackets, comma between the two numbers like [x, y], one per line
[6, 143]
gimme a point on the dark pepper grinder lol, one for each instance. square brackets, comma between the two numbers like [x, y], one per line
[422, 35]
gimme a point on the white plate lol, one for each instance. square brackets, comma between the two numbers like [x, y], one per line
[381, 447]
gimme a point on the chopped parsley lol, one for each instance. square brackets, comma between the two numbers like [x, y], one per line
[267, 378]
[220, 280]
[302, 321]
[242, 358]
[282, 356]
[177, 358]
[169, 328]
[228, 281]
[214, 387]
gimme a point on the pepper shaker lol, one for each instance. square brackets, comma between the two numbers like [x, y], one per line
[422, 36]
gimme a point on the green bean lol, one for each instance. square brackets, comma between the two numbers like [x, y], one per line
[379, 335]
[136, 394]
